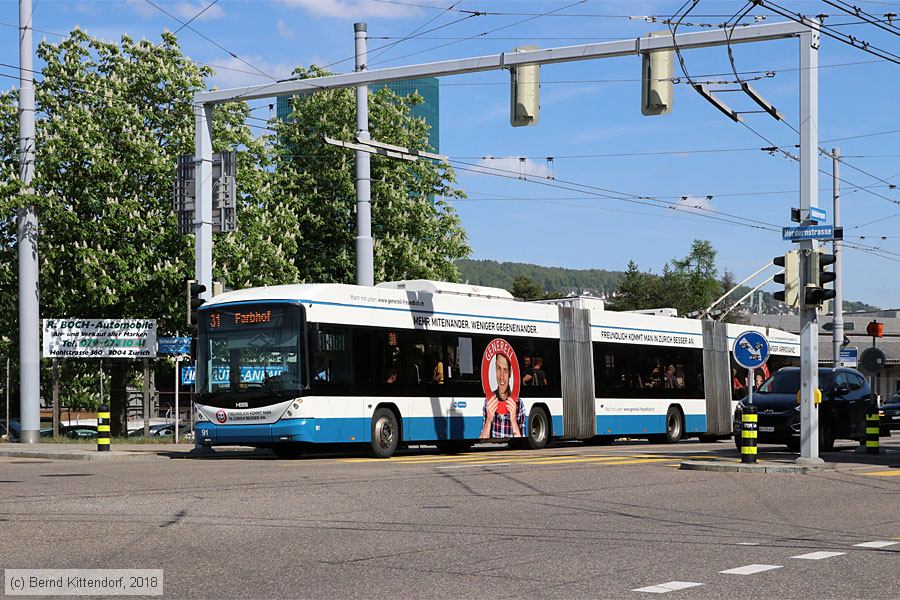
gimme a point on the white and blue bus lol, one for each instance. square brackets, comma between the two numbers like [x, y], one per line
[422, 362]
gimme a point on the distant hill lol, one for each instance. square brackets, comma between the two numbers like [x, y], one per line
[598, 282]
[497, 274]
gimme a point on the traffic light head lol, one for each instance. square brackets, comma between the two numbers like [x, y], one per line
[524, 92]
[790, 278]
[657, 68]
[815, 292]
[194, 289]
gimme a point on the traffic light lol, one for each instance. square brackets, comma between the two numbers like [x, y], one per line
[524, 92]
[790, 278]
[656, 79]
[815, 293]
[194, 289]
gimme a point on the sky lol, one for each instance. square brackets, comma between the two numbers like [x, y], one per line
[620, 186]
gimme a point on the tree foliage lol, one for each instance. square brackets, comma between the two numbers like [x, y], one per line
[503, 274]
[687, 284]
[525, 288]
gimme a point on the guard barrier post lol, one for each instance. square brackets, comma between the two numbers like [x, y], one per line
[749, 420]
[873, 429]
[103, 428]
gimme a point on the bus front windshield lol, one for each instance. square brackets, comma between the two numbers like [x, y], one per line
[252, 350]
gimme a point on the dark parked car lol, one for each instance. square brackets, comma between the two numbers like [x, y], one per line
[890, 415]
[842, 414]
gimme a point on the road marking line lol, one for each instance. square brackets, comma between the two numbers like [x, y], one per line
[891, 473]
[750, 569]
[469, 466]
[877, 544]
[748, 543]
[672, 586]
[818, 555]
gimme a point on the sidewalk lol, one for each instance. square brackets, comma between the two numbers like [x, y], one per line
[778, 462]
[89, 451]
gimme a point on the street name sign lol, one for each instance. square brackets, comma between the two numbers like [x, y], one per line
[818, 214]
[99, 338]
[812, 232]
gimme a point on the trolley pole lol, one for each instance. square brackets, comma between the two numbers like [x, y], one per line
[837, 339]
[27, 232]
[365, 252]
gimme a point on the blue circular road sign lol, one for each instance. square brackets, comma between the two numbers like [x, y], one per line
[751, 349]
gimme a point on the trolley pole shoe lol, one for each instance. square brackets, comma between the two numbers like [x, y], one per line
[103, 428]
[749, 428]
[873, 428]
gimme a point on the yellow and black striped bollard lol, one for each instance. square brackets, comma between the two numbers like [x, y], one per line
[749, 420]
[103, 428]
[873, 429]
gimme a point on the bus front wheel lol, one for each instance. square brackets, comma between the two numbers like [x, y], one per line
[385, 434]
[674, 425]
[538, 429]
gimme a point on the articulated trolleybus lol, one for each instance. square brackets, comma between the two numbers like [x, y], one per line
[411, 362]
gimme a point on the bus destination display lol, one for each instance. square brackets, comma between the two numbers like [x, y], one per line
[245, 317]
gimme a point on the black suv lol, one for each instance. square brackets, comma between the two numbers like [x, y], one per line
[842, 414]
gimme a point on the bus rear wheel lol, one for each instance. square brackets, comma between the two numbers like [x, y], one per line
[385, 434]
[538, 429]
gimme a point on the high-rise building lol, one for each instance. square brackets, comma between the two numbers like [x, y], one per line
[429, 110]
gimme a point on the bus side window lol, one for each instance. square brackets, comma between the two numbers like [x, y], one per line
[331, 359]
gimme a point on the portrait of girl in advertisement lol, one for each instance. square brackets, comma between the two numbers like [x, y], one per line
[504, 414]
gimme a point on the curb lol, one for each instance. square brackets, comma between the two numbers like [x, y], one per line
[723, 467]
[75, 455]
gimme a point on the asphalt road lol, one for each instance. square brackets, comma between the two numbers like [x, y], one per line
[568, 522]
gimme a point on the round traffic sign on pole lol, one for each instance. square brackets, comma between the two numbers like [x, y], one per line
[751, 350]
[871, 361]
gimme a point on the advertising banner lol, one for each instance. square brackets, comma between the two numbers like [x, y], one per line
[99, 338]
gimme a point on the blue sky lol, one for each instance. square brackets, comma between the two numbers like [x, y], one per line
[590, 120]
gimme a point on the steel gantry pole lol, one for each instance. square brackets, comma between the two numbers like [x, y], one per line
[809, 197]
[27, 234]
[365, 248]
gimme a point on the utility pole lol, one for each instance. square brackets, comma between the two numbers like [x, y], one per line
[837, 339]
[809, 197]
[27, 232]
[365, 251]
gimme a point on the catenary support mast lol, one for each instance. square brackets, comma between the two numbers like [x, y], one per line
[365, 249]
[27, 236]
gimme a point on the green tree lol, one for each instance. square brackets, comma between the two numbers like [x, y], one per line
[634, 290]
[417, 233]
[525, 288]
[687, 284]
